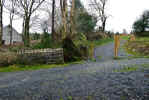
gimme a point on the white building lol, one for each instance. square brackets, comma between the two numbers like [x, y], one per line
[16, 37]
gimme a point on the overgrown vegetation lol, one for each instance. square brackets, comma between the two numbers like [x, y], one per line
[138, 47]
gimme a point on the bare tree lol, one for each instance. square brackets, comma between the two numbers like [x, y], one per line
[1, 20]
[26, 8]
[100, 11]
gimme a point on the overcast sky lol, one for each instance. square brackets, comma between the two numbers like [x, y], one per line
[123, 14]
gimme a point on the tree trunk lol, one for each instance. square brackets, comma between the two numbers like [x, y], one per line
[1, 22]
[26, 32]
[53, 22]
[64, 17]
[103, 16]
[11, 31]
[104, 25]
[72, 22]
[23, 27]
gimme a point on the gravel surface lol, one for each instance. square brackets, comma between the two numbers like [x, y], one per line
[89, 81]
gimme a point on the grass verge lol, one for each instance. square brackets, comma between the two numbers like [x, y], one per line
[127, 37]
[127, 69]
[15, 68]
[133, 68]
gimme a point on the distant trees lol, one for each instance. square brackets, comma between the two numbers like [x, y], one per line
[142, 24]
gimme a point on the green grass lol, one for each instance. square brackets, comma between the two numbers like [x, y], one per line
[137, 56]
[127, 69]
[145, 65]
[15, 68]
[99, 57]
[92, 59]
[143, 39]
[132, 68]
[125, 37]
[118, 58]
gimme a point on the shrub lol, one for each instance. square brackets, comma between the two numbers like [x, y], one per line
[80, 40]
[82, 44]
[46, 42]
[71, 51]
[142, 34]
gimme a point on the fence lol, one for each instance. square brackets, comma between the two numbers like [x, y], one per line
[49, 56]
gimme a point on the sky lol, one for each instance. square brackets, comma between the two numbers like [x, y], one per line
[122, 13]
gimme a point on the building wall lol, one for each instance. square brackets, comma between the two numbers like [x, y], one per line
[16, 37]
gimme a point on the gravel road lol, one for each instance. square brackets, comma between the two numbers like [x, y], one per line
[89, 81]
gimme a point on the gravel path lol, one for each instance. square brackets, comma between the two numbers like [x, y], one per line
[89, 81]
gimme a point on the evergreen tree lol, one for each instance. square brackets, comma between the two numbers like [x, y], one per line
[85, 23]
[142, 25]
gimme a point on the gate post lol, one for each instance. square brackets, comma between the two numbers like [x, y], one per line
[116, 44]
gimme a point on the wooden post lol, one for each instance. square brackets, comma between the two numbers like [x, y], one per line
[116, 44]
[92, 51]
